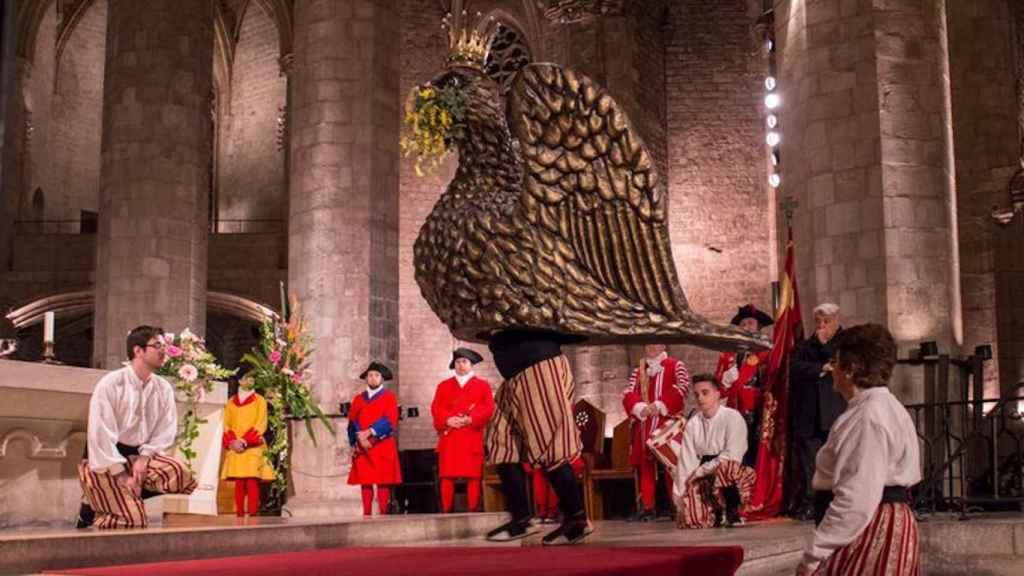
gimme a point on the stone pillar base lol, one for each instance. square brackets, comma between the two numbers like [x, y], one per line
[349, 505]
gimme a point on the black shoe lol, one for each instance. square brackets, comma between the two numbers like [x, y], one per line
[512, 530]
[805, 514]
[732, 506]
[570, 532]
[86, 517]
[719, 522]
[733, 518]
[642, 516]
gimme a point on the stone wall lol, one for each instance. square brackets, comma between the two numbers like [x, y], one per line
[39, 131]
[77, 121]
[250, 163]
[721, 207]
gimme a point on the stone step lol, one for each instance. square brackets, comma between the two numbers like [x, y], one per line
[28, 552]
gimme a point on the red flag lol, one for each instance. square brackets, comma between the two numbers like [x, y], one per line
[767, 497]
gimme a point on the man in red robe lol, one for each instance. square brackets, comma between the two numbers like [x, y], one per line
[462, 407]
[372, 422]
[657, 391]
[742, 377]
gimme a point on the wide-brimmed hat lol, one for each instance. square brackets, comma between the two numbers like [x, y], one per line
[750, 311]
[375, 366]
[466, 353]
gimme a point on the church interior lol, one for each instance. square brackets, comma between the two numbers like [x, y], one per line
[209, 164]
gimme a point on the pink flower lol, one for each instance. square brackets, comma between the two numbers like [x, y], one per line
[173, 351]
[188, 373]
[275, 357]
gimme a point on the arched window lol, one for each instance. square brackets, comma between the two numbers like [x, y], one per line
[508, 53]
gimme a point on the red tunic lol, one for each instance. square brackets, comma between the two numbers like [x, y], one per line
[745, 393]
[460, 451]
[379, 465]
[670, 386]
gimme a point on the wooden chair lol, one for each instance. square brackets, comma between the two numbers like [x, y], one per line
[614, 469]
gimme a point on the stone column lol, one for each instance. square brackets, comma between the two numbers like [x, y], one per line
[866, 150]
[343, 219]
[155, 173]
[986, 139]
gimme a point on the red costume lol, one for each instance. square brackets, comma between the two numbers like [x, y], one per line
[379, 465]
[744, 392]
[460, 451]
[665, 386]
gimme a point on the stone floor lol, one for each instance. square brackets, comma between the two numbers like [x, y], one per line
[26, 551]
[984, 545]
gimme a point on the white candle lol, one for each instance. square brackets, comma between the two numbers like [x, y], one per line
[48, 327]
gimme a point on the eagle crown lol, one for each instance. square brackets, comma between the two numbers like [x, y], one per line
[467, 45]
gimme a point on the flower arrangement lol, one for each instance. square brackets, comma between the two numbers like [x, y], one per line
[280, 372]
[193, 370]
[435, 117]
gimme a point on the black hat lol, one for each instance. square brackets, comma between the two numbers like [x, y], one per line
[749, 311]
[466, 353]
[385, 372]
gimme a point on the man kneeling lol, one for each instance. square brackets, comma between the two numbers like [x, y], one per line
[710, 478]
[133, 422]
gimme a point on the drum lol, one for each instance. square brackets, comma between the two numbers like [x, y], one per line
[667, 440]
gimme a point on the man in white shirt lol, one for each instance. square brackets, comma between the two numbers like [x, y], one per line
[710, 478]
[133, 423]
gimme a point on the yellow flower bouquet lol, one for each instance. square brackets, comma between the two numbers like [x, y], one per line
[435, 118]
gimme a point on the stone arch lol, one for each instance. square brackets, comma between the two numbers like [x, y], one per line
[280, 13]
[38, 204]
[67, 26]
[76, 301]
[232, 326]
[29, 19]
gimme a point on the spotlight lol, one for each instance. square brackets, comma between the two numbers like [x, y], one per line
[776, 159]
[772, 138]
[774, 180]
[772, 101]
[769, 83]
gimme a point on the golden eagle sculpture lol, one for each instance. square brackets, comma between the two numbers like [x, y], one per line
[555, 219]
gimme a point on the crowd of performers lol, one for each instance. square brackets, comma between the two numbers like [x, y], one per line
[853, 442]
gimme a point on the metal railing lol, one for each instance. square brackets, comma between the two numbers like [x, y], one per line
[229, 226]
[54, 226]
[972, 448]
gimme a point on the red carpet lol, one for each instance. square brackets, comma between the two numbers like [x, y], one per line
[532, 561]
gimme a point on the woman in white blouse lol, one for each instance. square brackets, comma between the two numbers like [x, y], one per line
[710, 478]
[869, 462]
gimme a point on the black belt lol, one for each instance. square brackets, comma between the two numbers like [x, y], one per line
[126, 451]
[707, 458]
[122, 449]
[890, 495]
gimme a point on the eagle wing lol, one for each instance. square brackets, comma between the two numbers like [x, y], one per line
[590, 181]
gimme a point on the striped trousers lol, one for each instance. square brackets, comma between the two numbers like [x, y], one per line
[119, 507]
[697, 508]
[889, 546]
[533, 419]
